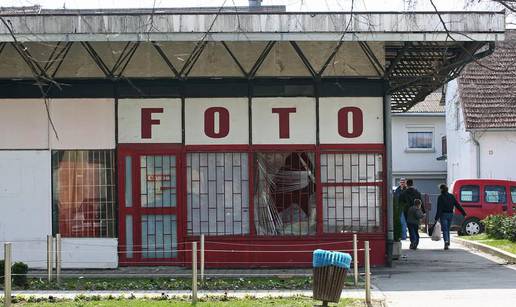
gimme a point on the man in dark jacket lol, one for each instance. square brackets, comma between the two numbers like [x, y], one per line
[445, 204]
[397, 194]
[408, 196]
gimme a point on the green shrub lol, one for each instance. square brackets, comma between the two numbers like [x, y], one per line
[19, 273]
[510, 228]
[495, 226]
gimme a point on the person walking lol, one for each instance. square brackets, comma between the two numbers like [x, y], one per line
[408, 196]
[397, 193]
[414, 215]
[445, 204]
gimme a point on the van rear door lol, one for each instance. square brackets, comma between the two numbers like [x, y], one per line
[495, 199]
[512, 208]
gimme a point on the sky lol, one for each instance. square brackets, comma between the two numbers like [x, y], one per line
[292, 5]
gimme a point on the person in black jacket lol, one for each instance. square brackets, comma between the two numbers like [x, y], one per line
[445, 204]
[408, 196]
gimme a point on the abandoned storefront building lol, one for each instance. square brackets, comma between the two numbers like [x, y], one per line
[132, 134]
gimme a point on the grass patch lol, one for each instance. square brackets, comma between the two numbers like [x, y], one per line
[160, 283]
[299, 301]
[502, 244]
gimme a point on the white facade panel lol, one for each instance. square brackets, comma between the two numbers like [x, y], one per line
[284, 120]
[216, 121]
[462, 156]
[23, 124]
[83, 253]
[25, 204]
[351, 120]
[83, 123]
[496, 150]
[149, 120]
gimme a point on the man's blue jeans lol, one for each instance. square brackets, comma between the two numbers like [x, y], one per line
[403, 226]
[446, 221]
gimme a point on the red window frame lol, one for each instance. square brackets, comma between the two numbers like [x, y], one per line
[181, 152]
[136, 211]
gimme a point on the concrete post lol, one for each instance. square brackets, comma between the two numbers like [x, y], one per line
[50, 261]
[7, 274]
[58, 258]
[367, 273]
[355, 259]
[194, 272]
[202, 258]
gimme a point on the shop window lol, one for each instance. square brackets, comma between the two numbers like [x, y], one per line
[84, 193]
[217, 193]
[495, 194]
[352, 192]
[284, 193]
[470, 194]
[420, 140]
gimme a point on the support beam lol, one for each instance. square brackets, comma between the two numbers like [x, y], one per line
[261, 59]
[237, 62]
[166, 59]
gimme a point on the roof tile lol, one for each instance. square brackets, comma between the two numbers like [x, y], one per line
[487, 88]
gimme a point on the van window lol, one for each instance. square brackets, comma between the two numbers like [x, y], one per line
[495, 194]
[513, 195]
[470, 194]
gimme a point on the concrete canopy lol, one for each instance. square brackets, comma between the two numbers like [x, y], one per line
[414, 52]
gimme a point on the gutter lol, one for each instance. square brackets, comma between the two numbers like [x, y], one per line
[422, 114]
[477, 147]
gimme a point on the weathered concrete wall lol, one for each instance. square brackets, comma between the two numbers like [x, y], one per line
[373, 26]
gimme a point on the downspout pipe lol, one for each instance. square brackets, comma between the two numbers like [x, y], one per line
[387, 136]
[477, 148]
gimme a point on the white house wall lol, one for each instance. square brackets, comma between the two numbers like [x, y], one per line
[496, 147]
[461, 149]
[23, 124]
[496, 151]
[405, 160]
[25, 204]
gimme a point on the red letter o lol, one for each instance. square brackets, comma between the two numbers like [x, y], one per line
[209, 122]
[358, 122]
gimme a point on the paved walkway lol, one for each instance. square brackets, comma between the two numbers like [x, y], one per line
[431, 276]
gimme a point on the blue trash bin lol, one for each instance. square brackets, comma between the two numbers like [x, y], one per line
[330, 270]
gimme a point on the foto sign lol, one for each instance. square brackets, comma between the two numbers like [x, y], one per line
[282, 120]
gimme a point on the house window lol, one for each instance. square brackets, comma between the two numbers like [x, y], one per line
[351, 187]
[470, 194]
[284, 193]
[217, 193]
[84, 193]
[495, 194]
[420, 140]
[444, 147]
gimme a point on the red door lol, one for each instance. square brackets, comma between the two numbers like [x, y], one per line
[149, 205]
